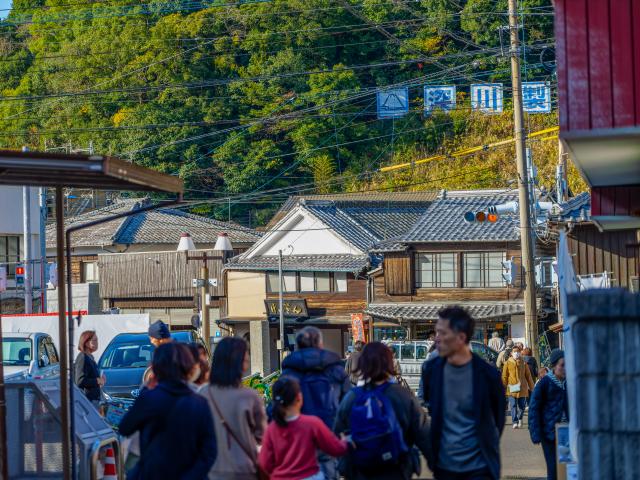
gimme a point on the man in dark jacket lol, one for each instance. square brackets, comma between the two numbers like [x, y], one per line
[467, 404]
[323, 382]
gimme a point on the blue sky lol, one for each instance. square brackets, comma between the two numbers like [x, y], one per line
[4, 4]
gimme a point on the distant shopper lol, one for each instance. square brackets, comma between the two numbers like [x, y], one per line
[86, 373]
[384, 420]
[200, 368]
[504, 355]
[467, 404]
[531, 362]
[549, 405]
[292, 439]
[238, 412]
[351, 366]
[176, 430]
[518, 382]
[496, 342]
[323, 382]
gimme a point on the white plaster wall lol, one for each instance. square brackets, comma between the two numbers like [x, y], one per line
[302, 234]
[517, 328]
[246, 292]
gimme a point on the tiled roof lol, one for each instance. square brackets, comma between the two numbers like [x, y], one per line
[429, 311]
[154, 227]
[309, 263]
[576, 208]
[443, 221]
[359, 199]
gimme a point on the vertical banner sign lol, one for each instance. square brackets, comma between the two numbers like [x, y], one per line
[536, 97]
[487, 97]
[439, 96]
[357, 326]
[393, 102]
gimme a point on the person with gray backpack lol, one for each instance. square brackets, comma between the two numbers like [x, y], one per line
[383, 421]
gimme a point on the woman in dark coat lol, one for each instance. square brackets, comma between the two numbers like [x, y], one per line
[86, 372]
[376, 367]
[177, 439]
[548, 406]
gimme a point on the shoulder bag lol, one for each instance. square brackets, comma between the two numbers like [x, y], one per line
[262, 475]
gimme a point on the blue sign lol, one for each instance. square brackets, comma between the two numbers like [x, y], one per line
[536, 97]
[487, 97]
[439, 96]
[393, 102]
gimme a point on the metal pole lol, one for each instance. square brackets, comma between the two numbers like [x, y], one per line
[206, 327]
[4, 456]
[281, 306]
[70, 329]
[561, 181]
[43, 250]
[526, 238]
[62, 334]
[26, 230]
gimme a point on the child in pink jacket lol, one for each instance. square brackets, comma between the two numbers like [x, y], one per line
[289, 447]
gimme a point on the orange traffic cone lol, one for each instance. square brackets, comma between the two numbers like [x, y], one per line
[110, 472]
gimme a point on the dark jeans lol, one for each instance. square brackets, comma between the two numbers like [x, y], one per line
[483, 474]
[517, 408]
[549, 450]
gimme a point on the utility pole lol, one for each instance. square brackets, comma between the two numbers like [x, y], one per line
[281, 306]
[526, 237]
[561, 174]
[26, 233]
[43, 249]
[203, 283]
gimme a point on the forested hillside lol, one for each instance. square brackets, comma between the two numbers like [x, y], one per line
[278, 96]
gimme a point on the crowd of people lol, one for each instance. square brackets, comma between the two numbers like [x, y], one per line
[327, 419]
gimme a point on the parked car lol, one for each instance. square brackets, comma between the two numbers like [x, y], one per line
[412, 353]
[126, 358]
[29, 356]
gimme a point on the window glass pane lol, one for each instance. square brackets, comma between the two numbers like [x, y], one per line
[340, 279]
[306, 282]
[483, 269]
[14, 249]
[421, 352]
[436, 270]
[289, 281]
[272, 282]
[322, 282]
[409, 352]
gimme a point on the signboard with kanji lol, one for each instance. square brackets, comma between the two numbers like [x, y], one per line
[357, 327]
[439, 96]
[536, 97]
[291, 308]
[487, 97]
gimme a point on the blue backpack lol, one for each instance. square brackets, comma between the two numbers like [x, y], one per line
[318, 395]
[375, 430]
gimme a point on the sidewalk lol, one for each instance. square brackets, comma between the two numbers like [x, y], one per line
[521, 460]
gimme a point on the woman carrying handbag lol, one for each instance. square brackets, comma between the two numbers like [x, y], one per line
[238, 413]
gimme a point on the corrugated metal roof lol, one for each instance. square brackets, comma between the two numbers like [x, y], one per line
[155, 227]
[429, 311]
[302, 263]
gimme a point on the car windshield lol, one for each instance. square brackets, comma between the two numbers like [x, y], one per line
[16, 351]
[135, 354]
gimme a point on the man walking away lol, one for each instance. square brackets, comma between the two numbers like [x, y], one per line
[496, 342]
[504, 355]
[323, 382]
[518, 382]
[352, 363]
[467, 404]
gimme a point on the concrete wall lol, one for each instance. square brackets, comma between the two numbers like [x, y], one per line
[86, 296]
[246, 292]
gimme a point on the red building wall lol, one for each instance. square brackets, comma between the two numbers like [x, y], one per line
[598, 60]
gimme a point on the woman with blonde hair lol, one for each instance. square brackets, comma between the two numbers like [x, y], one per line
[86, 373]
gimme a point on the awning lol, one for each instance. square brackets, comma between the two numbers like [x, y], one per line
[428, 312]
[44, 169]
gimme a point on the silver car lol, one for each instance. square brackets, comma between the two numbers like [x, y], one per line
[29, 356]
